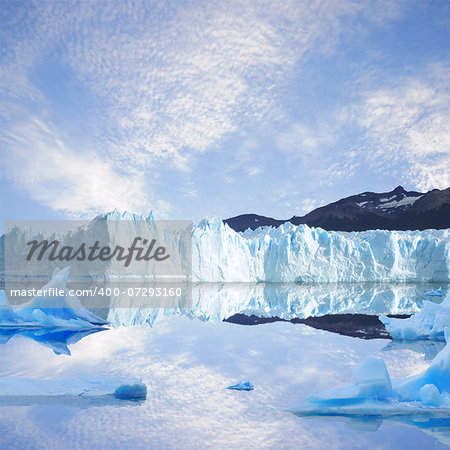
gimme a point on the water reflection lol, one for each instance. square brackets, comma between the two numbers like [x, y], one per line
[429, 348]
[73, 401]
[218, 301]
[436, 424]
[56, 338]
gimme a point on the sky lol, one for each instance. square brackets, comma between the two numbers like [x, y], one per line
[199, 108]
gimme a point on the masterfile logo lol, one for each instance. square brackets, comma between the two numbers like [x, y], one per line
[53, 251]
[135, 262]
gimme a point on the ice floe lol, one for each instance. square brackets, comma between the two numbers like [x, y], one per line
[242, 386]
[82, 385]
[429, 323]
[53, 308]
[374, 393]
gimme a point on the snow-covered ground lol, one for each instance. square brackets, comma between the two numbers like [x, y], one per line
[186, 365]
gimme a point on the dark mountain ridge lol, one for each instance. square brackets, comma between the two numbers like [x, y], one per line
[394, 210]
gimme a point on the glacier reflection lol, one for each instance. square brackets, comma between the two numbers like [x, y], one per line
[218, 301]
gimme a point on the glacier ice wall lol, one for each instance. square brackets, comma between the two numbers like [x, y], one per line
[300, 253]
[296, 253]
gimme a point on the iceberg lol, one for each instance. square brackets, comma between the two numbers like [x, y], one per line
[49, 309]
[79, 386]
[374, 393]
[436, 293]
[7, 316]
[58, 339]
[242, 386]
[429, 323]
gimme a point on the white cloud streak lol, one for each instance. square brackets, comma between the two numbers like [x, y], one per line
[65, 179]
[407, 124]
[169, 81]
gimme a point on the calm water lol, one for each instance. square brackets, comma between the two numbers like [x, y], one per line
[187, 360]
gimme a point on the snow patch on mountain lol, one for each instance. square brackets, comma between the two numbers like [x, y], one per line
[406, 201]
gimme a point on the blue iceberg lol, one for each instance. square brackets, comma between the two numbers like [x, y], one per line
[50, 310]
[79, 386]
[436, 293]
[429, 323]
[374, 393]
[58, 339]
[7, 316]
[242, 386]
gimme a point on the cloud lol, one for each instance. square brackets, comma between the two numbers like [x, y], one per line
[167, 81]
[304, 140]
[308, 204]
[253, 171]
[407, 126]
[79, 183]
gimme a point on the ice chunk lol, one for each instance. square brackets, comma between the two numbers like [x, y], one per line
[373, 378]
[57, 310]
[429, 395]
[436, 293]
[7, 316]
[437, 374]
[429, 323]
[372, 383]
[373, 393]
[136, 390]
[242, 386]
[83, 385]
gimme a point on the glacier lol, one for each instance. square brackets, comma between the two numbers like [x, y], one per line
[292, 253]
[289, 271]
[429, 323]
[288, 253]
